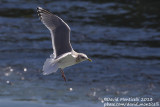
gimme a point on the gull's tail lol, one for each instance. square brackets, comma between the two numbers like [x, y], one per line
[50, 66]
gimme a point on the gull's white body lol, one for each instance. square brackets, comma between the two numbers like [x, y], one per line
[66, 61]
[51, 65]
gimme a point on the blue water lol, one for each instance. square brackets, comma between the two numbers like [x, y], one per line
[121, 37]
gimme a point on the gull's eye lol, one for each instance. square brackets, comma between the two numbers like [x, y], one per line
[83, 57]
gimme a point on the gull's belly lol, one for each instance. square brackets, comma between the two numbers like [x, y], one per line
[67, 61]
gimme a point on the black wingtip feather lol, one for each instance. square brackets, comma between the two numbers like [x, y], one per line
[39, 11]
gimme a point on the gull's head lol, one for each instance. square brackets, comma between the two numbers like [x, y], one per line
[82, 57]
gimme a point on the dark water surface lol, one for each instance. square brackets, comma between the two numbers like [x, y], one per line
[121, 37]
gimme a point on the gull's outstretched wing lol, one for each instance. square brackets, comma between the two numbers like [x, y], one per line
[60, 31]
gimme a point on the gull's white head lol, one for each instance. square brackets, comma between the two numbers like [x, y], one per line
[82, 57]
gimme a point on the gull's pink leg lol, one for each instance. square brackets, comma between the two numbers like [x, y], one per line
[63, 76]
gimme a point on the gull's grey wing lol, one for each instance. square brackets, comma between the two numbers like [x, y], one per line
[60, 31]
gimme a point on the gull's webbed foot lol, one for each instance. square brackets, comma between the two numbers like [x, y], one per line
[63, 76]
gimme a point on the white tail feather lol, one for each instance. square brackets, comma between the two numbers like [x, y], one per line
[50, 66]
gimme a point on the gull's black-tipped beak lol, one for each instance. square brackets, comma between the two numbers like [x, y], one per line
[89, 60]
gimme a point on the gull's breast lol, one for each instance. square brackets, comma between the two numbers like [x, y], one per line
[66, 61]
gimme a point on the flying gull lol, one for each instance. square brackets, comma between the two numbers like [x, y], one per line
[63, 54]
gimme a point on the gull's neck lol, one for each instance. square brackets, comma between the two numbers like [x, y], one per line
[74, 53]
